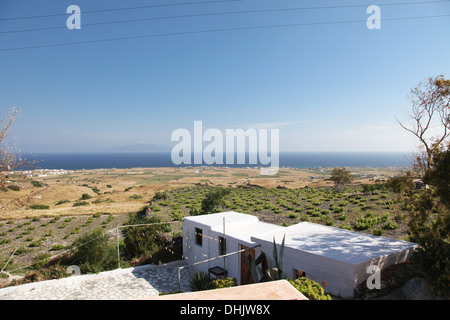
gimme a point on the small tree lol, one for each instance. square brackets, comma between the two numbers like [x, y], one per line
[9, 159]
[439, 175]
[94, 253]
[429, 223]
[402, 184]
[213, 200]
[429, 119]
[341, 177]
[429, 209]
[140, 240]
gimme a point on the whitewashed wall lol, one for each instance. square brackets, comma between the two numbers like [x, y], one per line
[193, 253]
[338, 275]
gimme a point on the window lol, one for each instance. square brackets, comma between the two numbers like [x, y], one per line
[222, 246]
[198, 236]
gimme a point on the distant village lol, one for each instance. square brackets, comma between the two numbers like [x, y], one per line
[43, 172]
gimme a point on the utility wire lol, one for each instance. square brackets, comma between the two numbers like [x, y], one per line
[122, 9]
[216, 14]
[213, 31]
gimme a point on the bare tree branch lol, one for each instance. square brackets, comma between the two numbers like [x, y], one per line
[430, 109]
[9, 159]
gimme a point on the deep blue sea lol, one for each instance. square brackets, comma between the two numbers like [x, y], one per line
[77, 161]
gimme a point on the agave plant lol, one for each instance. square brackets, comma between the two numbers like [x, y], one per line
[200, 281]
[274, 264]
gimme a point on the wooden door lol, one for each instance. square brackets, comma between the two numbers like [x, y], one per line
[245, 264]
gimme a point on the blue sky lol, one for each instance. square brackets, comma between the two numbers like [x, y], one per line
[326, 87]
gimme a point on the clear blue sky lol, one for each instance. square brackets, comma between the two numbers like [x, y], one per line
[326, 87]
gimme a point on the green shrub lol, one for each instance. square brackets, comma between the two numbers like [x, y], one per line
[75, 230]
[224, 283]
[96, 190]
[94, 253]
[155, 208]
[377, 232]
[160, 195]
[80, 203]
[277, 210]
[140, 240]
[309, 288]
[342, 216]
[390, 226]
[85, 196]
[346, 226]
[36, 243]
[39, 207]
[61, 202]
[56, 271]
[177, 215]
[58, 247]
[21, 250]
[48, 233]
[37, 183]
[14, 188]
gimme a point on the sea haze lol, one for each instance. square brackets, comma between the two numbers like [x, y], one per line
[78, 161]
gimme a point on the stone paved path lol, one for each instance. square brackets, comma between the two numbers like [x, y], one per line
[129, 283]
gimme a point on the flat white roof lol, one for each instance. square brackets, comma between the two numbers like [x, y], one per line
[339, 244]
[215, 220]
[237, 225]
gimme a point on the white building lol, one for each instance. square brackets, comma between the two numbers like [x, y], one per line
[337, 256]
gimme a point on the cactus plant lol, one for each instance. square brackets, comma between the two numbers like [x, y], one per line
[274, 270]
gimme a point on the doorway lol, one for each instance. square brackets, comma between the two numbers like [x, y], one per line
[245, 264]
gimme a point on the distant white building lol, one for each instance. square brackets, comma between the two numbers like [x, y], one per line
[337, 256]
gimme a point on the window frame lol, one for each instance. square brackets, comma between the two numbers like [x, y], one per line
[222, 246]
[198, 236]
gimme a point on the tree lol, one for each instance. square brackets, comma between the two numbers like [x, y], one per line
[9, 159]
[94, 253]
[429, 226]
[429, 209]
[402, 183]
[341, 177]
[429, 118]
[213, 200]
[146, 239]
[439, 175]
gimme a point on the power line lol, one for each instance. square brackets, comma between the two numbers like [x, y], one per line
[219, 13]
[213, 31]
[121, 9]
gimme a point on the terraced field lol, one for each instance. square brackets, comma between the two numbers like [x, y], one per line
[42, 216]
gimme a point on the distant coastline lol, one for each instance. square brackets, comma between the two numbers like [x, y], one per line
[302, 160]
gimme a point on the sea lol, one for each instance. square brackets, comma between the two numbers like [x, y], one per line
[304, 160]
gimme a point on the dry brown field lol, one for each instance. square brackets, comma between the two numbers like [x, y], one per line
[121, 191]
